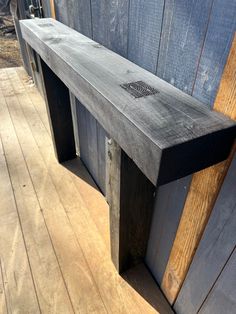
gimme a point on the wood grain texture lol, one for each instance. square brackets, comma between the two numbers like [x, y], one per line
[214, 249]
[48, 280]
[3, 299]
[222, 297]
[169, 122]
[110, 24]
[144, 29]
[75, 14]
[204, 189]
[61, 11]
[182, 38]
[81, 16]
[215, 51]
[16, 274]
[131, 198]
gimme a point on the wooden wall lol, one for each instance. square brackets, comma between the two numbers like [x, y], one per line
[185, 42]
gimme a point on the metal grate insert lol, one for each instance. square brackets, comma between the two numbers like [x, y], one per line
[139, 89]
[46, 25]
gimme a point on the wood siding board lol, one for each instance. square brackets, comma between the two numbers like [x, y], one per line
[145, 21]
[216, 245]
[92, 145]
[182, 38]
[168, 207]
[81, 15]
[61, 11]
[222, 298]
[161, 122]
[222, 26]
[110, 24]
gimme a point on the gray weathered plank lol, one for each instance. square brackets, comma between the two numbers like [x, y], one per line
[216, 245]
[79, 13]
[154, 131]
[61, 10]
[46, 8]
[145, 23]
[110, 24]
[222, 298]
[184, 28]
[221, 28]
[92, 144]
[168, 207]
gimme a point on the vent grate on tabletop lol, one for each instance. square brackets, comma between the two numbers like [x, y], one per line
[139, 89]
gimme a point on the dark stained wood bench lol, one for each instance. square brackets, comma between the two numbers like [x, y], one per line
[157, 133]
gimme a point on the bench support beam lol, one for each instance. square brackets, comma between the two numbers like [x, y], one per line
[59, 113]
[131, 198]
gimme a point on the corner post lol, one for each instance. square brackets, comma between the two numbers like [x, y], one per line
[131, 198]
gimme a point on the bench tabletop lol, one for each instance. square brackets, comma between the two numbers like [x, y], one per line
[167, 133]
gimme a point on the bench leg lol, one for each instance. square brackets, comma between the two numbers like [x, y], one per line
[131, 198]
[59, 114]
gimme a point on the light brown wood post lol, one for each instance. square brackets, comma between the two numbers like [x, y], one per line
[52, 7]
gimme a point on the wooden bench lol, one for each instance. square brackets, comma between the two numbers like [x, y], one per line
[157, 133]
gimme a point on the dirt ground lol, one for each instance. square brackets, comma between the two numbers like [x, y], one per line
[9, 49]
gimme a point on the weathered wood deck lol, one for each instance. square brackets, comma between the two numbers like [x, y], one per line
[54, 235]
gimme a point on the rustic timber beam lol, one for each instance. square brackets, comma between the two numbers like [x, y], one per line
[158, 133]
[164, 133]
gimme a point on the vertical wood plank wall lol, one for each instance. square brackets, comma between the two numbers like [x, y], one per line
[185, 42]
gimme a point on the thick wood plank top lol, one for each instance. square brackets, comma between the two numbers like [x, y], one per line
[168, 134]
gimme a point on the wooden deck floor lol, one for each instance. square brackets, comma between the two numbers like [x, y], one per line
[54, 233]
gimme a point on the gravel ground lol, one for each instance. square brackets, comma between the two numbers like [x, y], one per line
[9, 49]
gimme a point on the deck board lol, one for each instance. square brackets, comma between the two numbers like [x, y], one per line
[47, 276]
[64, 218]
[18, 285]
